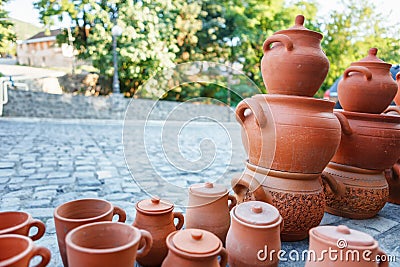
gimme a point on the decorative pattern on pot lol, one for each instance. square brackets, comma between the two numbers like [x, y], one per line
[367, 85]
[208, 208]
[298, 197]
[157, 217]
[289, 133]
[295, 63]
[353, 192]
[393, 178]
[255, 225]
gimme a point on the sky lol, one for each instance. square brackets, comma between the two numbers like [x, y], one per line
[24, 10]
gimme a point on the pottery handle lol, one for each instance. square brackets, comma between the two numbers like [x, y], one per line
[255, 107]
[242, 184]
[396, 170]
[393, 108]
[344, 123]
[233, 201]
[41, 229]
[121, 214]
[367, 73]
[147, 239]
[181, 220]
[280, 38]
[337, 187]
[381, 253]
[224, 257]
[44, 253]
[398, 77]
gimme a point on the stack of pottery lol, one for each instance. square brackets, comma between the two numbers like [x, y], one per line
[355, 184]
[289, 136]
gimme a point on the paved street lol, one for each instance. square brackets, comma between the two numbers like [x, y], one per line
[46, 162]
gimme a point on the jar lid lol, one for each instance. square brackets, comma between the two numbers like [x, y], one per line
[257, 212]
[343, 236]
[372, 58]
[208, 189]
[196, 241]
[155, 204]
[299, 26]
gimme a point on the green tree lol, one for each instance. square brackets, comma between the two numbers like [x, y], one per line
[7, 35]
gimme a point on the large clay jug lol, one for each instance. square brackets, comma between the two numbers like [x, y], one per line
[295, 64]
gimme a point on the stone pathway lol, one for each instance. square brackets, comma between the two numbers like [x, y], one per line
[44, 163]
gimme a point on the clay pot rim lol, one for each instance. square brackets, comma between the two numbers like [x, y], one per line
[83, 220]
[217, 197]
[76, 247]
[281, 174]
[27, 220]
[155, 213]
[353, 169]
[334, 244]
[305, 31]
[371, 64]
[382, 117]
[258, 226]
[20, 256]
[314, 103]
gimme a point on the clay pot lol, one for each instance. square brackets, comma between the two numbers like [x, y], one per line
[19, 222]
[393, 179]
[367, 85]
[282, 189]
[157, 217]
[18, 250]
[295, 64]
[194, 248]
[289, 133]
[106, 244]
[75, 213]
[354, 192]
[369, 141]
[397, 97]
[348, 248]
[255, 231]
[211, 200]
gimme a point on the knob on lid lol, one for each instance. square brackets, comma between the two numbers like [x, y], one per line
[155, 204]
[372, 56]
[208, 189]
[343, 236]
[298, 27]
[196, 241]
[257, 212]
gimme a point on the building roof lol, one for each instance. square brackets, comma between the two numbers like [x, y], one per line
[43, 37]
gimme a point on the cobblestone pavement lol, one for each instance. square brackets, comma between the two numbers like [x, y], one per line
[44, 163]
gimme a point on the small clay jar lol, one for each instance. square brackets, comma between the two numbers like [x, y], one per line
[393, 178]
[295, 64]
[194, 248]
[208, 208]
[346, 247]
[367, 85]
[19, 222]
[254, 233]
[157, 217]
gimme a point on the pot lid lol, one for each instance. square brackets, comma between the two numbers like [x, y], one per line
[344, 236]
[196, 241]
[371, 58]
[154, 204]
[208, 189]
[299, 27]
[257, 212]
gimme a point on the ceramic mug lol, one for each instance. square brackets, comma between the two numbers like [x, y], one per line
[106, 244]
[20, 223]
[75, 213]
[18, 250]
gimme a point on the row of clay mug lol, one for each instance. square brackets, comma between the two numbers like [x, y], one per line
[20, 223]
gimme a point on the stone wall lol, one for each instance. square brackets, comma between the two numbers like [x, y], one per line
[69, 106]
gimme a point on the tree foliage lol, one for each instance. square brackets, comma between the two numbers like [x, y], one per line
[7, 35]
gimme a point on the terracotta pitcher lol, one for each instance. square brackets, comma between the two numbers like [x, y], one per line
[104, 244]
[295, 64]
[19, 222]
[367, 85]
[194, 248]
[289, 133]
[157, 217]
[18, 250]
[254, 233]
[348, 248]
[208, 208]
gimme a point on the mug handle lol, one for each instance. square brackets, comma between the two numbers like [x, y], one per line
[224, 257]
[148, 243]
[121, 214]
[367, 73]
[181, 220]
[41, 229]
[255, 107]
[42, 252]
[382, 263]
[233, 202]
[280, 38]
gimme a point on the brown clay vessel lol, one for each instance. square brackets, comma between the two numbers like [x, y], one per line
[254, 233]
[19, 222]
[367, 85]
[194, 248]
[157, 217]
[75, 213]
[104, 244]
[208, 208]
[295, 64]
[289, 133]
[393, 178]
[397, 97]
[18, 250]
